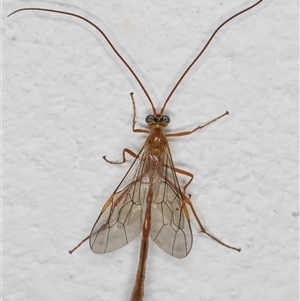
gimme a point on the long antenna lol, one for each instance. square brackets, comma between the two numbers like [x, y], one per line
[202, 50]
[123, 60]
[102, 33]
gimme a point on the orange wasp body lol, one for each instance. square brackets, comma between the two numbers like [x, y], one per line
[149, 199]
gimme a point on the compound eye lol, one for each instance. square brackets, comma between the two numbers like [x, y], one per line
[166, 119]
[149, 118]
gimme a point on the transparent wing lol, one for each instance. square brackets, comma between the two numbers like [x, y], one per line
[121, 217]
[170, 225]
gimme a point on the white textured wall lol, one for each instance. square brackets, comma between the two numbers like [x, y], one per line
[66, 104]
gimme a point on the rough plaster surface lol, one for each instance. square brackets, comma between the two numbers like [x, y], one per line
[66, 104]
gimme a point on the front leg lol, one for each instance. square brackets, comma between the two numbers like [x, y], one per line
[126, 150]
[197, 128]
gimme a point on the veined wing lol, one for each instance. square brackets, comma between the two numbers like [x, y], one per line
[121, 217]
[170, 225]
